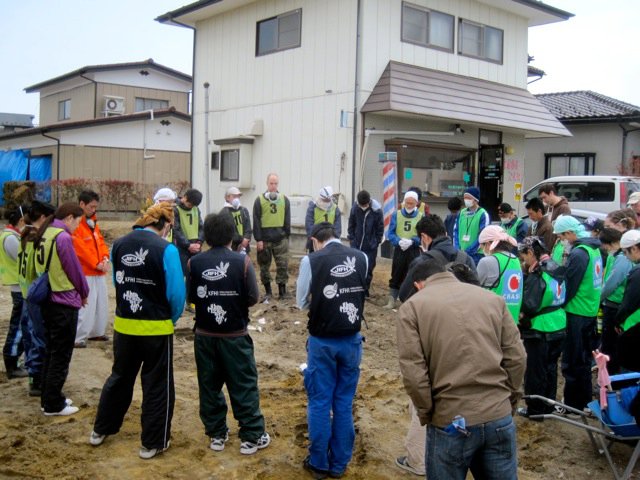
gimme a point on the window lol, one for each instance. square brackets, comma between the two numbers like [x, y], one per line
[560, 164]
[480, 41]
[428, 28]
[279, 33]
[230, 165]
[150, 104]
[64, 110]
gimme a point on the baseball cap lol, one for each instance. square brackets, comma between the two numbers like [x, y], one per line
[633, 198]
[233, 191]
[630, 238]
[505, 208]
[593, 223]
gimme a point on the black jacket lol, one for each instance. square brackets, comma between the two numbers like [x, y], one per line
[366, 227]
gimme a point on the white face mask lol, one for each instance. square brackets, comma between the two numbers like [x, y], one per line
[565, 243]
[410, 210]
[505, 221]
[235, 203]
[468, 203]
[363, 207]
[323, 204]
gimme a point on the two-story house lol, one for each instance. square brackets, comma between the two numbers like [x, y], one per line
[126, 121]
[317, 91]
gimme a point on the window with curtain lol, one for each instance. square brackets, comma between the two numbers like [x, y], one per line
[480, 41]
[557, 165]
[279, 33]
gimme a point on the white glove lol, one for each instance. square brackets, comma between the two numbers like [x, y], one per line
[405, 243]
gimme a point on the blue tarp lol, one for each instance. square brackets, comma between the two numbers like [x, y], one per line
[17, 165]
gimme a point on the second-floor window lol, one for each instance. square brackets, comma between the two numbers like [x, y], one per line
[64, 109]
[150, 104]
[480, 41]
[428, 28]
[279, 33]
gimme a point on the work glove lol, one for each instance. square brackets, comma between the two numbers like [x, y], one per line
[405, 243]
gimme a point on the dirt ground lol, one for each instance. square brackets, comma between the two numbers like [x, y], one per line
[33, 446]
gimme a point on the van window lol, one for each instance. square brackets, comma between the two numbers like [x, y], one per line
[587, 192]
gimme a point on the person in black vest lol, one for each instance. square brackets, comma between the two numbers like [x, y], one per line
[334, 277]
[222, 286]
[150, 296]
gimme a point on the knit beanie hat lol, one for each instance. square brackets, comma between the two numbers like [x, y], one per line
[474, 192]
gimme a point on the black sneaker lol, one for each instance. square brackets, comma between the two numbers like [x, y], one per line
[316, 473]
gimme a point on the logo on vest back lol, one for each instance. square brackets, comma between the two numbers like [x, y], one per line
[351, 310]
[201, 291]
[135, 259]
[558, 292]
[344, 269]
[120, 276]
[512, 287]
[218, 312]
[218, 273]
[135, 302]
[330, 291]
[597, 273]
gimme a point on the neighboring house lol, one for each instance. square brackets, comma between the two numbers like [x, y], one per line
[13, 122]
[126, 121]
[315, 90]
[606, 134]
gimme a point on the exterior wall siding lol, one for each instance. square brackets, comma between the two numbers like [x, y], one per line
[179, 100]
[81, 105]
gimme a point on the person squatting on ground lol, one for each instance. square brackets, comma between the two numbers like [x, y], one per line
[542, 324]
[93, 254]
[484, 387]
[323, 209]
[499, 269]
[34, 340]
[222, 286]
[9, 245]
[471, 221]
[436, 246]
[241, 220]
[616, 271]
[406, 242]
[54, 254]
[366, 229]
[583, 279]
[187, 226]
[150, 295]
[271, 229]
[334, 277]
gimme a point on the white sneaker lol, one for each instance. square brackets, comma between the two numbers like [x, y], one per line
[249, 448]
[96, 439]
[217, 443]
[68, 410]
[67, 402]
[147, 453]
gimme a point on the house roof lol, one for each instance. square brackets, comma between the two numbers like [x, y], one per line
[436, 94]
[149, 63]
[585, 106]
[537, 12]
[94, 122]
[21, 120]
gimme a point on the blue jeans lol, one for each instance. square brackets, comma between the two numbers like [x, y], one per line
[34, 340]
[331, 379]
[489, 452]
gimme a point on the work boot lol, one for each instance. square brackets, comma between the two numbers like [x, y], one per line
[391, 303]
[282, 291]
[35, 385]
[13, 370]
[267, 293]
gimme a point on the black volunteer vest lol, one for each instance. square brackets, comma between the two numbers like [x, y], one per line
[218, 282]
[139, 274]
[337, 291]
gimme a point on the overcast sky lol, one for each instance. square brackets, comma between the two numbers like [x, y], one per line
[595, 50]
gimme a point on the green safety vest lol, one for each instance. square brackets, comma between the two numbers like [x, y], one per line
[557, 253]
[272, 212]
[469, 227]
[510, 284]
[587, 299]
[189, 222]
[406, 226]
[618, 293]
[8, 266]
[26, 267]
[320, 215]
[513, 229]
[57, 277]
[554, 296]
[237, 219]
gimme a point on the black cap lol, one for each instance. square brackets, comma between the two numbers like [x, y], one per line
[321, 226]
[505, 208]
[593, 223]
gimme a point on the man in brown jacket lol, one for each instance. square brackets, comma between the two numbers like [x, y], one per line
[540, 224]
[556, 205]
[462, 363]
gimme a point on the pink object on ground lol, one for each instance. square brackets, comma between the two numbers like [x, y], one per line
[603, 376]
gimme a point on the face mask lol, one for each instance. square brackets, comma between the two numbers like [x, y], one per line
[323, 204]
[363, 207]
[410, 210]
[504, 221]
[468, 203]
[235, 203]
[565, 243]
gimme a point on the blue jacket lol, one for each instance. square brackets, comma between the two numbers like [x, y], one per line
[366, 227]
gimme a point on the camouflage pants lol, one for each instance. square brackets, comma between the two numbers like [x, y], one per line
[280, 252]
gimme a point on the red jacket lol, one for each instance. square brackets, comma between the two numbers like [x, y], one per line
[90, 247]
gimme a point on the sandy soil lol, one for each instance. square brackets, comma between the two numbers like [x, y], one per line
[35, 446]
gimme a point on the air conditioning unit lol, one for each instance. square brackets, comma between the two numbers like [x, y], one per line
[113, 105]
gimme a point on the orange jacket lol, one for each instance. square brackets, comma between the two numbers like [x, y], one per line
[90, 247]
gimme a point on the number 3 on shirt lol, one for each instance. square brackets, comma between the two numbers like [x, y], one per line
[273, 208]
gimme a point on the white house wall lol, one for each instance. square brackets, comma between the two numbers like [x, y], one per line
[155, 79]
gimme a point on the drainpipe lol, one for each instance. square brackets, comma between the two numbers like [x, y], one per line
[356, 92]
[207, 183]
[57, 165]
[95, 94]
